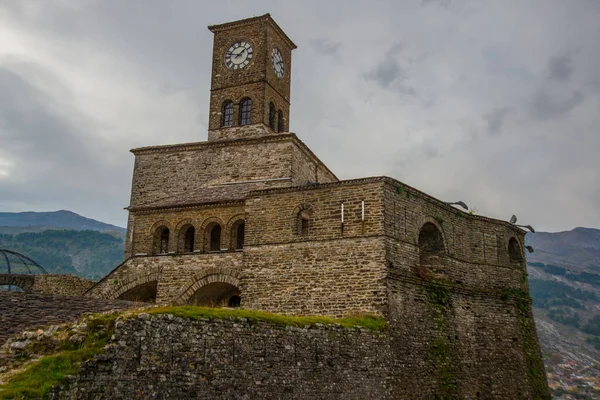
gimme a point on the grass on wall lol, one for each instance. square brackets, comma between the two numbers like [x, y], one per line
[366, 321]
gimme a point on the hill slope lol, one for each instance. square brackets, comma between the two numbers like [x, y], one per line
[564, 280]
[89, 254]
[39, 221]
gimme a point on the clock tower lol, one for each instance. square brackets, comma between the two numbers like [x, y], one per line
[251, 75]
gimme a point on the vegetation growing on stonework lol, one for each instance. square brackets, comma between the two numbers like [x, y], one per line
[439, 294]
[60, 358]
[365, 321]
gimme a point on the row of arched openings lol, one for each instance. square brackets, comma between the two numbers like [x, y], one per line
[276, 121]
[431, 246]
[188, 240]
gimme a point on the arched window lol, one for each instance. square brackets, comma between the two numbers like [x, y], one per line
[215, 238]
[304, 220]
[514, 251]
[239, 239]
[188, 240]
[245, 112]
[431, 244]
[161, 240]
[227, 113]
[272, 115]
[280, 124]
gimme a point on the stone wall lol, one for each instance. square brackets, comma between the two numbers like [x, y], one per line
[61, 285]
[22, 311]
[173, 358]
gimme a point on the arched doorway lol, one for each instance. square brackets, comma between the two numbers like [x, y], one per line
[145, 293]
[216, 294]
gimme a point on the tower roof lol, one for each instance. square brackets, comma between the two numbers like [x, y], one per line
[253, 20]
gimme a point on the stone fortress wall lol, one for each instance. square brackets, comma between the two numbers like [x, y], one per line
[52, 284]
[26, 311]
[172, 358]
[175, 358]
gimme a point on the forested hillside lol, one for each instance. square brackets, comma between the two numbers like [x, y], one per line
[90, 254]
[564, 281]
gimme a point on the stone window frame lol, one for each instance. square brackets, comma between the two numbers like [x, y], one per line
[303, 223]
[206, 229]
[232, 228]
[245, 111]
[227, 114]
[157, 238]
[180, 230]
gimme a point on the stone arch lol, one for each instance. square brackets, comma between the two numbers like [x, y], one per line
[515, 252]
[147, 282]
[209, 239]
[303, 219]
[431, 242]
[213, 275]
[156, 241]
[236, 228]
[24, 282]
[182, 231]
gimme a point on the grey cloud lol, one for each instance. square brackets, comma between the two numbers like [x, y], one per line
[560, 68]
[495, 119]
[325, 46]
[390, 74]
[443, 3]
[544, 106]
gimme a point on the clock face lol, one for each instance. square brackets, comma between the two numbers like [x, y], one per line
[277, 60]
[239, 55]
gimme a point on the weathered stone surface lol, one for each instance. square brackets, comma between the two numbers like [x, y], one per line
[25, 311]
[172, 358]
[60, 285]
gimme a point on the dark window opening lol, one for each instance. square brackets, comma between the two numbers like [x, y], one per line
[431, 244]
[304, 226]
[239, 242]
[514, 251]
[304, 221]
[227, 113]
[164, 241]
[245, 112]
[188, 241]
[272, 116]
[280, 124]
[215, 238]
[235, 301]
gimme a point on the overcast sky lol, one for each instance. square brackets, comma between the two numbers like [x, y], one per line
[496, 103]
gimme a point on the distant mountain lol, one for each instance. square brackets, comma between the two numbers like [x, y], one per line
[64, 242]
[40, 221]
[90, 254]
[564, 282]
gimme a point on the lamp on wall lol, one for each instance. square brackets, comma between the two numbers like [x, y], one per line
[459, 203]
[513, 220]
